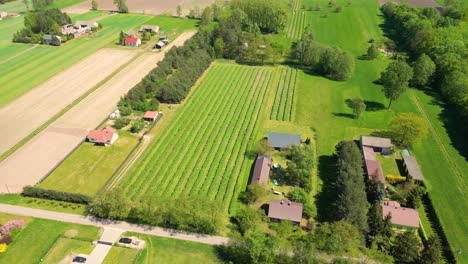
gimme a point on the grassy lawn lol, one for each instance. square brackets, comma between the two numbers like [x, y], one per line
[13, 7]
[64, 3]
[90, 166]
[7, 28]
[68, 246]
[63, 207]
[121, 255]
[8, 217]
[37, 238]
[389, 164]
[166, 250]
[87, 16]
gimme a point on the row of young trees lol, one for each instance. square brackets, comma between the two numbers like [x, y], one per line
[188, 213]
[39, 23]
[435, 42]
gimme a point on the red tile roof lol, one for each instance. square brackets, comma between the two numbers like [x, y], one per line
[261, 172]
[285, 210]
[150, 115]
[374, 171]
[101, 136]
[131, 40]
[400, 215]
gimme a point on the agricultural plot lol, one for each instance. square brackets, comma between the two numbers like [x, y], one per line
[283, 104]
[296, 21]
[203, 150]
[7, 28]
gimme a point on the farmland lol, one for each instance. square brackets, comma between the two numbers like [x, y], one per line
[296, 20]
[283, 105]
[321, 104]
[202, 152]
[90, 166]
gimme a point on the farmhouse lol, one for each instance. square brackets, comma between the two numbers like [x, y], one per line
[149, 28]
[401, 217]
[382, 145]
[151, 116]
[412, 168]
[282, 141]
[261, 172]
[285, 210]
[106, 136]
[53, 40]
[132, 42]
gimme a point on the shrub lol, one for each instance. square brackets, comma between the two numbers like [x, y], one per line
[338, 9]
[10, 225]
[137, 126]
[395, 179]
[121, 122]
[3, 248]
[125, 111]
[37, 192]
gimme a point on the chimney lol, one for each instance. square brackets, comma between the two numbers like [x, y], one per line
[281, 202]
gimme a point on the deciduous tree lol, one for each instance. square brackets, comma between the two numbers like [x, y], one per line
[94, 5]
[407, 128]
[395, 80]
[423, 69]
[372, 52]
[358, 106]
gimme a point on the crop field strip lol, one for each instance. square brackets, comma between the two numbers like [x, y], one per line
[283, 104]
[296, 21]
[205, 158]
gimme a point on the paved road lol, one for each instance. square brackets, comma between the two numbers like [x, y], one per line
[104, 223]
[100, 252]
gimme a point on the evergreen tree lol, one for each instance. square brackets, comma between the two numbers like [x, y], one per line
[122, 38]
[405, 248]
[372, 52]
[432, 251]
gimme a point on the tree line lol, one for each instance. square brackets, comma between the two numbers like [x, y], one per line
[435, 44]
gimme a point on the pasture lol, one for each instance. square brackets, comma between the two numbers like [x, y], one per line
[39, 236]
[203, 152]
[283, 104]
[7, 28]
[321, 104]
[89, 167]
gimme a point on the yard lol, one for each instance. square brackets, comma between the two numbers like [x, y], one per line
[89, 167]
[39, 236]
[121, 255]
[66, 248]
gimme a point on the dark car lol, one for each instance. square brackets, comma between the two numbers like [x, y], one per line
[79, 259]
[125, 240]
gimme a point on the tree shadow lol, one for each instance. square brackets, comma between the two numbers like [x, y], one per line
[325, 200]
[347, 115]
[373, 106]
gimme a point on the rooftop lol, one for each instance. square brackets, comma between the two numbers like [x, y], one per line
[285, 210]
[280, 140]
[374, 170]
[101, 136]
[151, 114]
[261, 172]
[413, 168]
[400, 215]
[131, 40]
[376, 142]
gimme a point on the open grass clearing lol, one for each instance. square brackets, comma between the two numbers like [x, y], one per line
[91, 15]
[63, 207]
[38, 237]
[7, 28]
[389, 164]
[121, 255]
[90, 166]
[65, 248]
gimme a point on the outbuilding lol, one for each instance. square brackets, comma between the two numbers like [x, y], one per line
[283, 141]
[412, 168]
[151, 116]
[261, 173]
[53, 40]
[132, 42]
[149, 28]
[285, 210]
[401, 217]
[379, 144]
[3, 15]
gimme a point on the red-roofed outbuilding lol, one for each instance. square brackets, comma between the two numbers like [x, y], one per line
[150, 116]
[401, 217]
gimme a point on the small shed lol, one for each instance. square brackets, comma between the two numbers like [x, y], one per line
[261, 173]
[53, 40]
[131, 33]
[151, 116]
[160, 45]
[285, 210]
[412, 168]
[149, 28]
[282, 141]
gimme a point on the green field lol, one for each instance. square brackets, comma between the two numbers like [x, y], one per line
[30, 69]
[203, 152]
[121, 255]
[13, 7]
[166, 250]
[87, 16]
[7, 28]
[283, 104]
[65, 247]
[296, 21]
[39, 236]
[321, 104]
[89, 167]
[51, 205]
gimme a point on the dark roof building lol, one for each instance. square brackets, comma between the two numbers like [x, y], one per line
[401, 216]
[412, 167]
[285, 210]
[261, 172]
[376, 142]
[280, 140]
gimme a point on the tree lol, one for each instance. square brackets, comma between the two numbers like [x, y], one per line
[179, 10]
[219, 47]
[338, 9]
[121, 6]
[407, 128]
[206, 16]
[395, 80]
[423, 69]
[432, 251]
[358, 106]
[94, 5]
[111, 205]
[137, 126]
[146, 36]
[122, 38]
[372, 52]
[246, 219]
[337, 237]
[253, 193]
[121, 123]
[255, 247]
[405, 248]
[263, 147]
[26, 4]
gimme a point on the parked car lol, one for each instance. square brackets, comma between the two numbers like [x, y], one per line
[79, 259]
[125, 240]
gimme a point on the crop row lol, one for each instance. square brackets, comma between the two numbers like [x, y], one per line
[283, 104]
[296, 21]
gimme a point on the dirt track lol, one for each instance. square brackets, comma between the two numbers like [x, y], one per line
[39, 156]
[33, 109]
[152, 7]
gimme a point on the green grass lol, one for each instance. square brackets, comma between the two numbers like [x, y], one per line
[166, 250]
[7, 28]
[8, 217]
[171, 26]
[296, 21]
[87, 16]
[35, 240]
[63, 207]
[389, 165]
[321, 104]
[13, 7]
[64, 3]
[30, 69]
[88, 168]
[283, 105]
[67, 246]
[202, 150]
[121, 255]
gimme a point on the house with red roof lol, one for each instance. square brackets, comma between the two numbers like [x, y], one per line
[401, 217]
[151, 116]
[132, 42]
[105, 137]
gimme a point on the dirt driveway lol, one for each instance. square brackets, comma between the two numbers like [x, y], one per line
[40, 155]
[152, 7]
[30, 111]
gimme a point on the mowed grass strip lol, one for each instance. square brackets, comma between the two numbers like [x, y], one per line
[197, 152]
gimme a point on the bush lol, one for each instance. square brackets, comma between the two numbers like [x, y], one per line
[37, 192]
[137, 126]
[395, 179]
[3, 248]
[7, 228]
[121, 122]
[125, 111]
